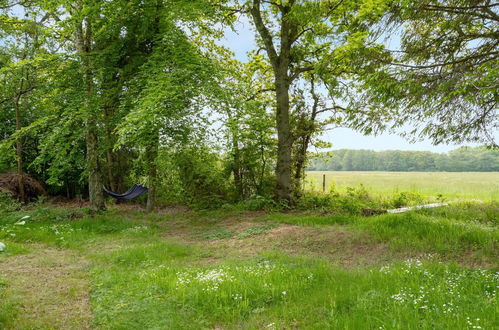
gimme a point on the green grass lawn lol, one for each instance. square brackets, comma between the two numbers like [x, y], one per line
[427, 269]
[482, 186]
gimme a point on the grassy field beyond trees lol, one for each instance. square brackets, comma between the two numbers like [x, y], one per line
[449, 185]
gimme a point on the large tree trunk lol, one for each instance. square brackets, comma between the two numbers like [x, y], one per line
[280, 64]
[83, 45]
[284, 138]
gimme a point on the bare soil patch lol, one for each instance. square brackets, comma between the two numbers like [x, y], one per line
[339, 245]
[50, 284]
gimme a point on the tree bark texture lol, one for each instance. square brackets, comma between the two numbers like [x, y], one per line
[280, 62]
[152, 155]
[19, 148]
[83, 46]
[284, 140]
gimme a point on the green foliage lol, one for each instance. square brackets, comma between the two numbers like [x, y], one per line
[202, 179]
[141, 92]
[256, 203]
[8, 203]
[311, 201]
[438, 82]
[405, 198]
[354, 199]
[247, 109]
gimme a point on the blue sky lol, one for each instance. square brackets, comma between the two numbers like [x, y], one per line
[242, 40]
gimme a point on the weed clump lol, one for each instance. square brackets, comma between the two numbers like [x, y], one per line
[8, 203]
[356, 200]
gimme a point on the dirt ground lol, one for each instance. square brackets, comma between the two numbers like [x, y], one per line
[52, 287]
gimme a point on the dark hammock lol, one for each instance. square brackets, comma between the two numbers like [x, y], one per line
[134, 192]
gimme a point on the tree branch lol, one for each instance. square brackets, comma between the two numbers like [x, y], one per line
[251, 98]
[264, 32]
[299, 71]
[436, 65]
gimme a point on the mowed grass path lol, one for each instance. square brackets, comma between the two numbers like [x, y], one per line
[234, 269]
[451, 185]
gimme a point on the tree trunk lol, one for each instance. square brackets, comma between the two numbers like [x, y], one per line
[236, 166]
[284, 138]
[110, 166]
[83, 45]
[151, 194]
[94, 173]
[301, 158]
[19, 151]
[110, 169]
[120, 172]
[152, 175]
[280, 64]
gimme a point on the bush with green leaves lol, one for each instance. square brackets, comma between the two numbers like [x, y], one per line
[355, 199]
[405, 198]
[256, 203]
[8, 203]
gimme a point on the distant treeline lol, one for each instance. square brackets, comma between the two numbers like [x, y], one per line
[464, 159]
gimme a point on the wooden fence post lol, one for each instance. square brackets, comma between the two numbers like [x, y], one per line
[324, 183]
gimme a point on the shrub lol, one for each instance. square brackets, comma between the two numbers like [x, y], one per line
[8, 203]
[315, 200]
[348, 204]
[257, 202]
[405, 198]
[359, 192]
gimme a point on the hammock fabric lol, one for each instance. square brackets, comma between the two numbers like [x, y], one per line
[134, 192]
